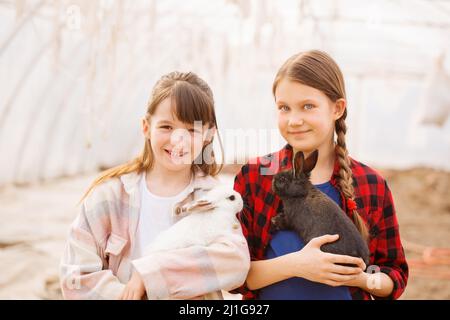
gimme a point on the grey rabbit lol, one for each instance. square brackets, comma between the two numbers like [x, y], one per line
[311, 213]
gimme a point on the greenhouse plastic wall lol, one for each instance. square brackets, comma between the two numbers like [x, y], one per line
[76, 75]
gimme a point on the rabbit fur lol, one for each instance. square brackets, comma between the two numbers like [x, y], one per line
[311, 213]
[212, 215]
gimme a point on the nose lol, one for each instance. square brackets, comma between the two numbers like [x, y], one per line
[180, 138]
[296, 120]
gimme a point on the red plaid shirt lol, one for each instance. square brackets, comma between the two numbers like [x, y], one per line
[375, 206]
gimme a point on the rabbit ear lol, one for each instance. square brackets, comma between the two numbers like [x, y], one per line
[199, 206]
[310, 162]
[299, 159]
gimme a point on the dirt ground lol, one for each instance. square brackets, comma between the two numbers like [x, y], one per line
[422, 200]
[35, 220]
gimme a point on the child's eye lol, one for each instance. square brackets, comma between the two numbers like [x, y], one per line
[166, 127]
[283, 108]
[308, 106]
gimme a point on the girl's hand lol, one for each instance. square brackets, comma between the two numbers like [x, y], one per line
[135, 289]
[315, 265]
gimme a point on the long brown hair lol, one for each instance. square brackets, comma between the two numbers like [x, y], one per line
[318, 70]
[193, 101]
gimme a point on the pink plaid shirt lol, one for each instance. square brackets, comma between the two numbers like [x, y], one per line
[97, 261]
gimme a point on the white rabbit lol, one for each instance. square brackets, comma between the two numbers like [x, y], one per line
[212, 215]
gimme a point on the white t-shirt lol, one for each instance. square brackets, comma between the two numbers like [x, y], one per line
[155, 215]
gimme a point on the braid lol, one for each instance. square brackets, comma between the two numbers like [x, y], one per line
[345, 173]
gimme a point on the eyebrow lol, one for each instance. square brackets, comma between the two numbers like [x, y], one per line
[164, 122]
[302, 102]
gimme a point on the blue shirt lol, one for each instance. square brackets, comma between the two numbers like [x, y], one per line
[284, 242]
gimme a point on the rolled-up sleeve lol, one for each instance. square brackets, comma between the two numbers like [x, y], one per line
[389, 255]
[197, 270]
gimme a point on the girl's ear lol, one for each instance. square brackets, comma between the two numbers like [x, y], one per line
[145, 127]
[209, 135]
[310, 162]
[299, 159]
[339, 108]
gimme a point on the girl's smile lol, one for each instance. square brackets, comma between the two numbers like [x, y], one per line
[174, 155]
[299, 133]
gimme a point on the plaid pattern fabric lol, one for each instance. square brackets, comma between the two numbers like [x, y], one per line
[375, 206]
[97, 261]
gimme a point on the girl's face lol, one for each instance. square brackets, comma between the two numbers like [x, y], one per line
[306, 116]
[175, 144]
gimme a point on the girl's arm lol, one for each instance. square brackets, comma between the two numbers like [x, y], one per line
[310, 263]
[197, 270]
[266, 272]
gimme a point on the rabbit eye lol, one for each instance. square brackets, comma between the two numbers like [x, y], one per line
[231, 198]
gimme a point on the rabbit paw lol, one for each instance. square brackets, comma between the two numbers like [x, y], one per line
[279, 222]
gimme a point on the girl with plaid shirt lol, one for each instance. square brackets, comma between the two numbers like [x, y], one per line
[309, 92]
[127, 206]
